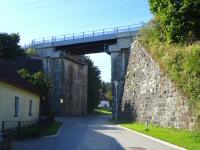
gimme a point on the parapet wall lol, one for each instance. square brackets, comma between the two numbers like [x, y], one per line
[149, 94]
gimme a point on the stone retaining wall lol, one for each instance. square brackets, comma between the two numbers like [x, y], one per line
[149, 94]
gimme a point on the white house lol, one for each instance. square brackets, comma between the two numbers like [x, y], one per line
[104, 102]
[19, 101]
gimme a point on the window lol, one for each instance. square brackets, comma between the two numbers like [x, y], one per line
[16, 106]
[30, 108]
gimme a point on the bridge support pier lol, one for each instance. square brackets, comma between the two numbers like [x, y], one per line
[119, 61]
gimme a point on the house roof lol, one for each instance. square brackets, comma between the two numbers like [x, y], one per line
[9, 75]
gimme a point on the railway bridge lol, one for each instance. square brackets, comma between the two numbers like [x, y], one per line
[114, 41]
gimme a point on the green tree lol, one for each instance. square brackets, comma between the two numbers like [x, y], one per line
[39, 80]
[105, 86]
[94, 85]
[176, 20]
[109, 94]
[31, 52]
[9, 47]
[42, 84]
[106, 90]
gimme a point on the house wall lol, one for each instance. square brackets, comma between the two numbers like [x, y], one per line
[104, 104]
[7, 105]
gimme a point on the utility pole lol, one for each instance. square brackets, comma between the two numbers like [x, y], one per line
[116, 99]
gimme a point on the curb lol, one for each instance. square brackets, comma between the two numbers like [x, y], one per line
[57, 133]
[154, 139]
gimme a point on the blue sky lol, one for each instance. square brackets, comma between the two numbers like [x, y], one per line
[42, 18]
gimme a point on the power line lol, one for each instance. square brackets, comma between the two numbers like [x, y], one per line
[21, 5]
[27, 8]
[88, 14]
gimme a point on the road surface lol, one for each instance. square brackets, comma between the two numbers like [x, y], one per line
[91, 133]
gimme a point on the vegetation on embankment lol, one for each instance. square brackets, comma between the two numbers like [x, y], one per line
[172, 39]
[181, 62]
[103, 111]
[182, 138]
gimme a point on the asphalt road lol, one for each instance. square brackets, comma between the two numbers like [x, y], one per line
[91, 133]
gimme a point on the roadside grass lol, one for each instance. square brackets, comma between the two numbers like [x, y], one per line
[180, 137]
[52, 129]
[34, 131]
[103, 111]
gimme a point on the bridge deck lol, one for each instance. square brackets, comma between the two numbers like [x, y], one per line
[86, 37]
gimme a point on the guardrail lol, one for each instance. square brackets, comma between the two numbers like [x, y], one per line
[82, 35]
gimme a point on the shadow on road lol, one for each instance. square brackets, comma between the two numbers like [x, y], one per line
[77, 133]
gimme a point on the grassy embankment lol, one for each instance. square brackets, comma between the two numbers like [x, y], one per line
[182, 64]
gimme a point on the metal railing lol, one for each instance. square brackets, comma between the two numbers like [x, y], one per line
[11, 130]
[82, 35]
[10, 126]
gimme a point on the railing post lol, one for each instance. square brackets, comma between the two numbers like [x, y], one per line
[43, 40]
[93, 33]
[52, 39]
[103, 31]
[117, 31]
[73, 36]
[64, 37]
[83, 34]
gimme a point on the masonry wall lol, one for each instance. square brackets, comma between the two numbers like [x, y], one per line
[149, 94]
[69, 79]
